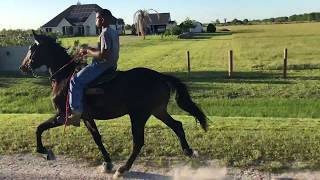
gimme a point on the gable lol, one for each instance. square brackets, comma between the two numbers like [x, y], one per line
[75, 14]
[158, 19]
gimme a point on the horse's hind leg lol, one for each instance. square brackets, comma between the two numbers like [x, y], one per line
[50, 123]
[91, 125]
[138, 122]
[177, 127]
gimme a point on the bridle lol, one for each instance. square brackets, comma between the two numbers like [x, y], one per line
[34, 74]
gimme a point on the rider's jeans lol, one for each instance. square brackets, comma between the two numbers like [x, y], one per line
[80, 81]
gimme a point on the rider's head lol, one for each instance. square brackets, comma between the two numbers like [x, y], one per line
[104, 18]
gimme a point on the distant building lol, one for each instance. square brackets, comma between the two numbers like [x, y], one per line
[78, 20]
[157, 23]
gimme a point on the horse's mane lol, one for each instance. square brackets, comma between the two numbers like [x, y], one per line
[51, 42]
[59, 79]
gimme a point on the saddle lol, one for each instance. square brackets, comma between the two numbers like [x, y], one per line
[104, 78]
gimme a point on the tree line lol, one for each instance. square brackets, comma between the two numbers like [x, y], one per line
[307, 17]
[301, 17]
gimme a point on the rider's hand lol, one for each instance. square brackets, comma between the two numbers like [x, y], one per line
[83, 52]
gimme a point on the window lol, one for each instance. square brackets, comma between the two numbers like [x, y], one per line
[48, 30]
[67, 30]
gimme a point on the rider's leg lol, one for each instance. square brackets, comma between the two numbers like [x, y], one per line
[77, 85]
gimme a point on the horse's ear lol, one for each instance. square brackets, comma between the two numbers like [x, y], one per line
[36, 37]
[34, 33]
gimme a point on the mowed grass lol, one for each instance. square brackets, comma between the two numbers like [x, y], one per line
[257, 89]
[256, 45]
[217, 97]
[268, 143]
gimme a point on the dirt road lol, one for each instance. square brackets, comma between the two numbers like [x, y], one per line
[28, 166]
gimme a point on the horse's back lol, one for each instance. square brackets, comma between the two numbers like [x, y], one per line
[138, 88]
[135, 75]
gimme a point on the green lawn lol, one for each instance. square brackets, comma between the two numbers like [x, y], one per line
[268, 143]
[254, 46]
[256, 91]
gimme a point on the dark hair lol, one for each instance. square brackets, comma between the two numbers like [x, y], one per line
[105, 13]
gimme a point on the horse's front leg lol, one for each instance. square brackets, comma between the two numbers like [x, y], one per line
[91, 125]
[53, 122]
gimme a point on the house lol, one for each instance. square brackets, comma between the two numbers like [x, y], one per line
[78, 20]
[198, 28]
[157, 23]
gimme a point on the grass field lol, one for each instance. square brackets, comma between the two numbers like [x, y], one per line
[256, 91]
[278, 124]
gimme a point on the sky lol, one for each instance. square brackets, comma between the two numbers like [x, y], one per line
[27, 14]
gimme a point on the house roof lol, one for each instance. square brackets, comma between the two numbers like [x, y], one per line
[75, 14]
[158, 19]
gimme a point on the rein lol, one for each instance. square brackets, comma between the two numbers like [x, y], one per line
[75, 59]
[62, 68]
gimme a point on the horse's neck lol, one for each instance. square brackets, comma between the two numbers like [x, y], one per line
[59, 62]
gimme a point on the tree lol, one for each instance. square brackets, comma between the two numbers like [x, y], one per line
[236, 21]
[121, 21]
[293, 18]
[211, 28]
[186, 25]
[217, 21]
[133, 30]
[128, 27]
[312, 17]
[173, 30]
[122, 24]
[245, 21]
[139, 19]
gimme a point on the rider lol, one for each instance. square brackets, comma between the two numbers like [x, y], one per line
[106, 58]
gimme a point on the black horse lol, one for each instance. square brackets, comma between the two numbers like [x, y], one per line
[139, 92]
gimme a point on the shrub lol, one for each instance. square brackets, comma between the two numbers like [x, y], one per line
[173, 30]
[133, 30]
[211, 28]
[55, 35]
[15, 38]
[186, 25]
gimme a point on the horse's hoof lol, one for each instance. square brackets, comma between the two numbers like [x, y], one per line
[195, 154]
[188, 152]
[119, 173]
[50, 156]
[107, 167]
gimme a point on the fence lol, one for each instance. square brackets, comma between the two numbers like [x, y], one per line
[232, 64]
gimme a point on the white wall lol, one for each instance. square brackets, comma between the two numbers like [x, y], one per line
[91, 22]
[63, 23]
[197, 29]
[11, 57]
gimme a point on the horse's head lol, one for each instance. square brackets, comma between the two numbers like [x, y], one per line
[45, 51]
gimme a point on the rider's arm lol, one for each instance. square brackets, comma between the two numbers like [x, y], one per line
[98, 54]
[105, 45]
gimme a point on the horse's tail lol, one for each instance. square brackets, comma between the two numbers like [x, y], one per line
[184, 100]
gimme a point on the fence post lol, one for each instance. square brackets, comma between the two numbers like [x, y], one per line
[188, 58]
[230, 63]
[285, 63]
